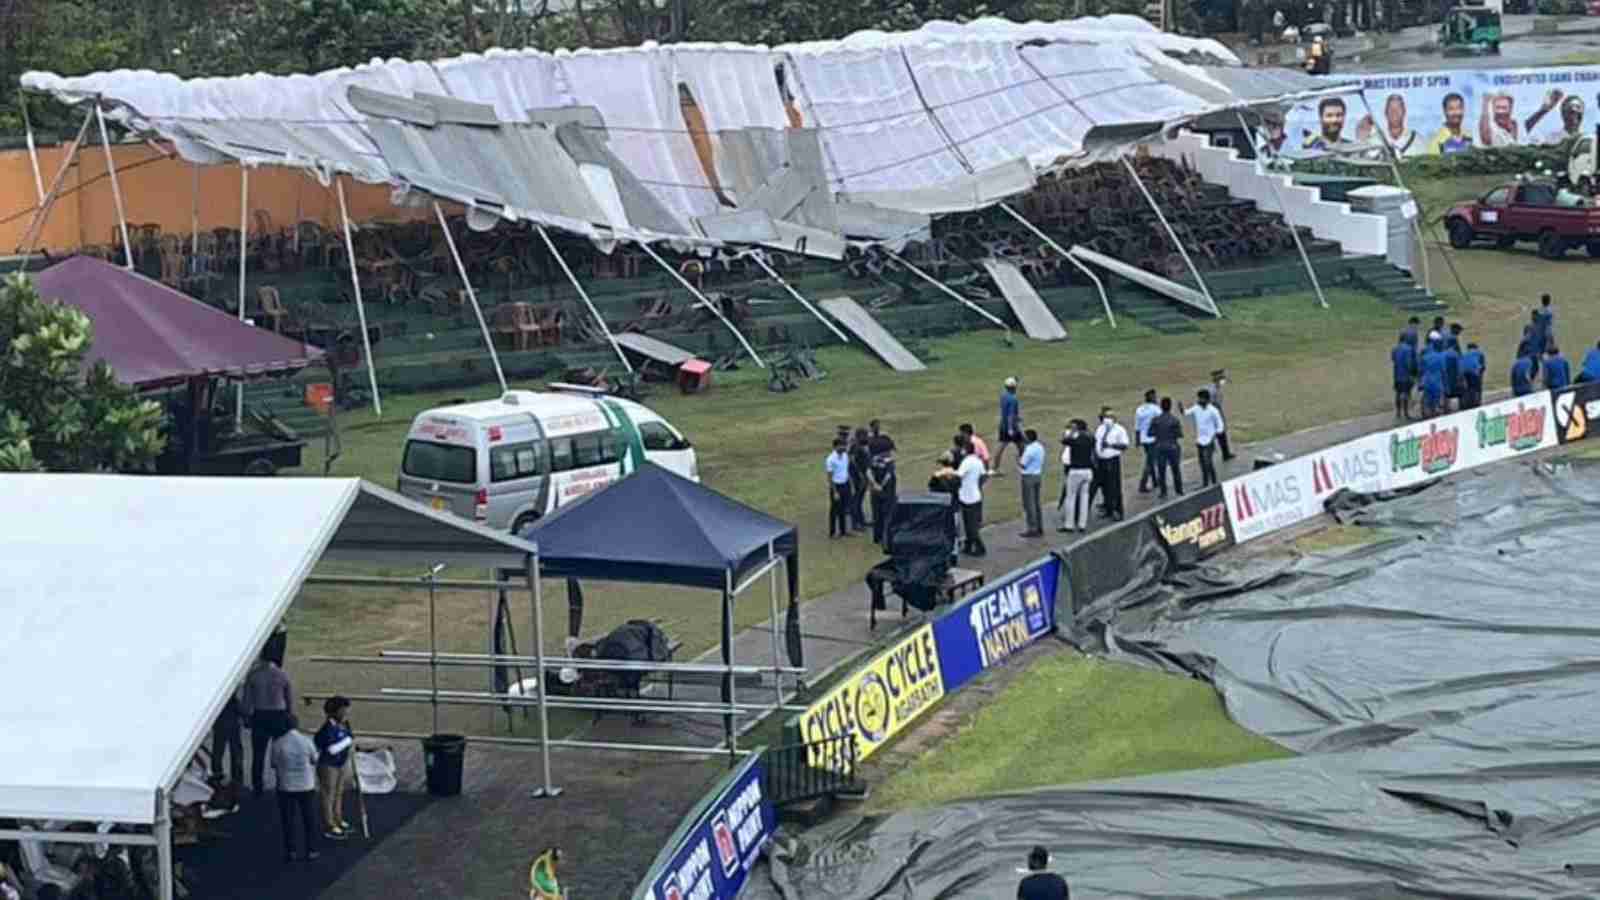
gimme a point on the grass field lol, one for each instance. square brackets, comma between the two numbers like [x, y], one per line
[1075, 718]
[1293, 366]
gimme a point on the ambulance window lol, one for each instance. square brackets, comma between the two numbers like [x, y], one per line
[560, 454]
[440, 462]
[658, 436]
[516, 461]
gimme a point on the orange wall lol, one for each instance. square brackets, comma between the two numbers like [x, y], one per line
[164, 193]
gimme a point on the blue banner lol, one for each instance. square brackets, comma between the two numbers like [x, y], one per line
[722, 846]
[983, 630]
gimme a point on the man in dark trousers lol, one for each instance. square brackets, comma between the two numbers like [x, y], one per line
[1039, 884]
[837, 465]
[1208, 427]
[1544, 321]
[1030, 471]
[1143, 415]
[294, 761]
[973, 473]
[227, 739]
[1404, 359]
[268, 700]
[1473, 365]
[1167, 430]
[1522, 376]
[860, 462]
[884, 483]
[1110, 442]
[1010, 430]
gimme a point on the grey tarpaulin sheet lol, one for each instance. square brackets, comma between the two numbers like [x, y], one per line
[1441, 684]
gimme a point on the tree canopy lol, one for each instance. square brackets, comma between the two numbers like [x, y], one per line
[54, 416]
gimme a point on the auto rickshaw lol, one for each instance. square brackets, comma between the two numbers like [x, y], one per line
[1470, 31]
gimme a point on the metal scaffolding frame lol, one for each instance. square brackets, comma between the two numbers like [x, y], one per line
[577, 286]
[945, 288]
[678, 276]
[116, 188]
[472, 295]
[361, 309]
[1099, 285]
[1272, 182]
[1150, 198]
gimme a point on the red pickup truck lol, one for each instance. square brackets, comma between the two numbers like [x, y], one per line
[1526, 211]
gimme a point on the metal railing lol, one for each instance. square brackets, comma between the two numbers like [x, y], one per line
[812, 769]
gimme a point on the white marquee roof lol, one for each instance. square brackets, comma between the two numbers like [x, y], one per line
[132, 605]
[895, 127]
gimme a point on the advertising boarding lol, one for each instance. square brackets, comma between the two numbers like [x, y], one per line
[722, 845]
[1443, 113]
[1577, 412]
[1195, 527]
[876, 701]
[988, 628]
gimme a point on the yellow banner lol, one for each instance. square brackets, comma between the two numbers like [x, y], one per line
[878, 700]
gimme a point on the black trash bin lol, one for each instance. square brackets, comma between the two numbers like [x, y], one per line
[443, 756]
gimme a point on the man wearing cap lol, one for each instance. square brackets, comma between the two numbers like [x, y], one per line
[1010, 430]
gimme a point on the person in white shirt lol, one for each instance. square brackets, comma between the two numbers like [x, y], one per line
[294, 760]
[1142, 417]
[973, 473]
[1110, 441]
[1030, 465]
[837, 465]
[1207, 425]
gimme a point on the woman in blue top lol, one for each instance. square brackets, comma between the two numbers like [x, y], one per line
[334, 743]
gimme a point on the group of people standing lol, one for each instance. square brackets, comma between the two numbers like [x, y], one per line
[1451, 375]
[861, 465]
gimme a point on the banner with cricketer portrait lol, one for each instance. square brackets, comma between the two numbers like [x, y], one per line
[1441, 113]
[1577, 412]
[719, 844]
[986, 629]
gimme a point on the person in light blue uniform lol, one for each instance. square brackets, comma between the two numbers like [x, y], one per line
[1432, 380]
[1557, 371]
[1404, 358]
[1591, 365]
[1522, 376]
[1473, 365]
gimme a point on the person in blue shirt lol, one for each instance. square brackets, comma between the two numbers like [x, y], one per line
[1432, 381]
[837, 465]
[1557, 371]
[1452, 373]
[1591, 365]
[1404, 358]
[1544, 319]
[1010, 430]
[1030, 465]
[334, 743]
[1410, 334]
[1473, 366]
[1522, 376]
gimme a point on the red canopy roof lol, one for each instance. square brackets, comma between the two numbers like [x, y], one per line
[153, 335]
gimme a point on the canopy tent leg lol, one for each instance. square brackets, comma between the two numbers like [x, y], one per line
[33, 149]
[361, 310]
[1272, 182]
[561, 261]
[1149, 198]
[761, 260]
[536, 587]
[494, 355]
[1100, 286]
[1394, 167]
[163, 835]
[30, 238]
[433, 641]
[777, 673]
[945, 288]
[194, 213]
[116, 189]
[651, 252]
[728, 724]
[244, 253]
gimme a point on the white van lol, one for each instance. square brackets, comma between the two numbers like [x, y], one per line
[507, 462]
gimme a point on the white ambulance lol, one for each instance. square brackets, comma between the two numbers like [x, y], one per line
[507, 462]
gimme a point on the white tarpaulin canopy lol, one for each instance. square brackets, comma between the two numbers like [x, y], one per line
[133, 605]
[863, 137]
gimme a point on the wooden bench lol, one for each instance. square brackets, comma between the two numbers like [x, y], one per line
[958, 583]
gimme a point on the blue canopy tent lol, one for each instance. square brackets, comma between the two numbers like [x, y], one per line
[656, 527]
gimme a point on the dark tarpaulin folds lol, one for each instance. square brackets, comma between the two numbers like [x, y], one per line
[1439, 681]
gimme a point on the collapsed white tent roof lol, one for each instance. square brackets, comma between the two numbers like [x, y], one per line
[891, 127]
[133, 605]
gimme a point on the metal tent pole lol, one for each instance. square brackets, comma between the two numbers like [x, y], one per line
[244, 253]
[31, 237]
[194, 212]
[536, 586]
[650, 251]
[1394, 167]
[33, 149]
[162, 832]
[945, 288]
[433, 641]
[560, 260]
[777, 674]
[116, 189]
[1272, 182]
[729, 723]
[1105, 301]
[1172, 234]
[772, 273]
[361, 311]
[494, 355]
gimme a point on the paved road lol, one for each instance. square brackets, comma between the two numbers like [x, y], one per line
[1415, 48]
